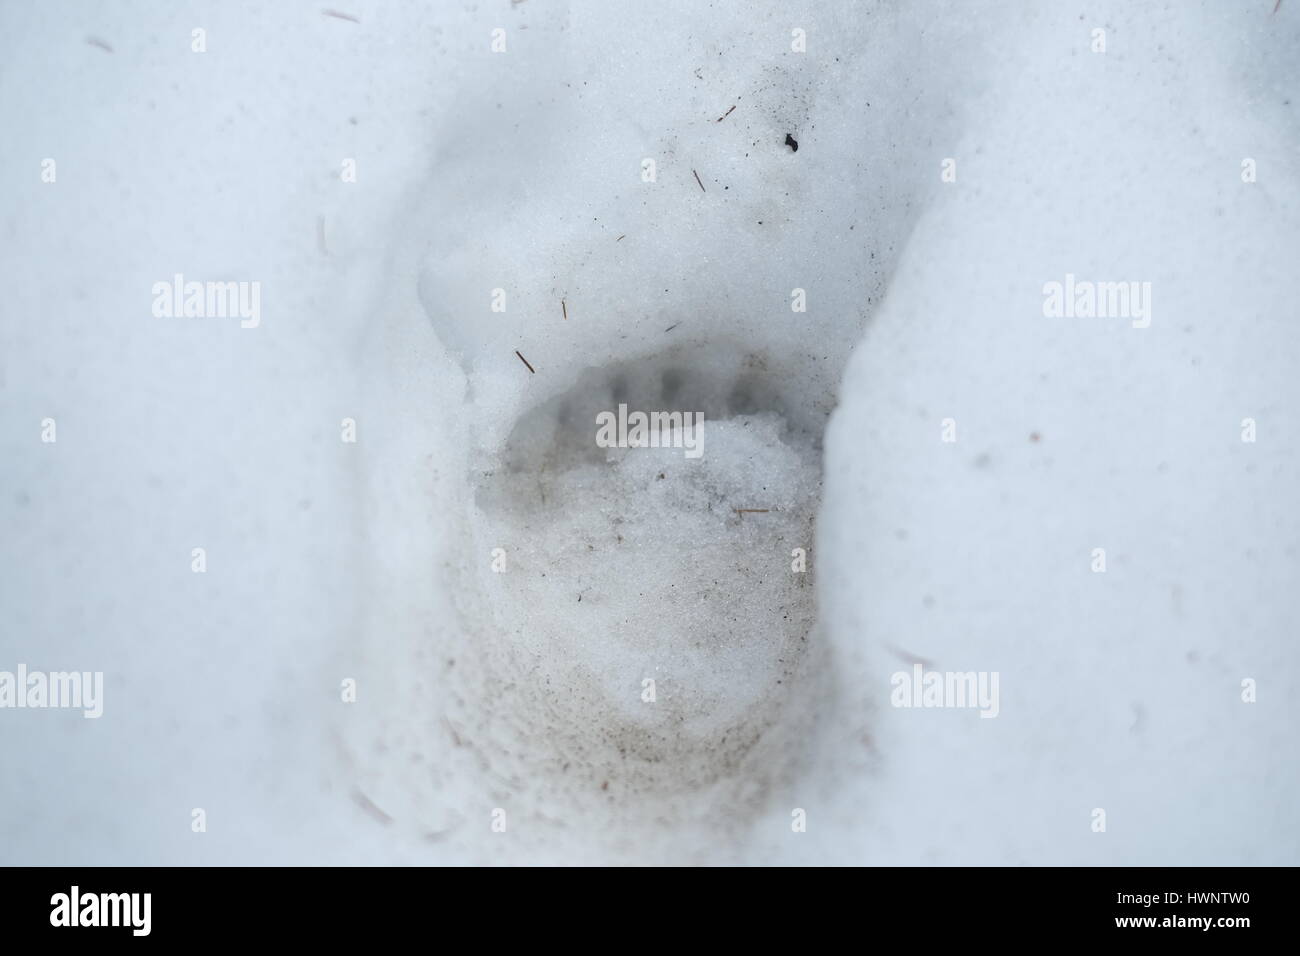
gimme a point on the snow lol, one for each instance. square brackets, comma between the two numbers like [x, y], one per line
[522, 171]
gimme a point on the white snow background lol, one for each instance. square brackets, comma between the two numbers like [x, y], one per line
[521, 170]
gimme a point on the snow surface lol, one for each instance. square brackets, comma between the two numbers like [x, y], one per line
[522, 171]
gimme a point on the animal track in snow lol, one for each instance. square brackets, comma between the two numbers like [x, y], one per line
[628, 565]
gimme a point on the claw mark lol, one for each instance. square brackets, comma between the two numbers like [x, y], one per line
[455, 737]
[910, 658]
[368, 805]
